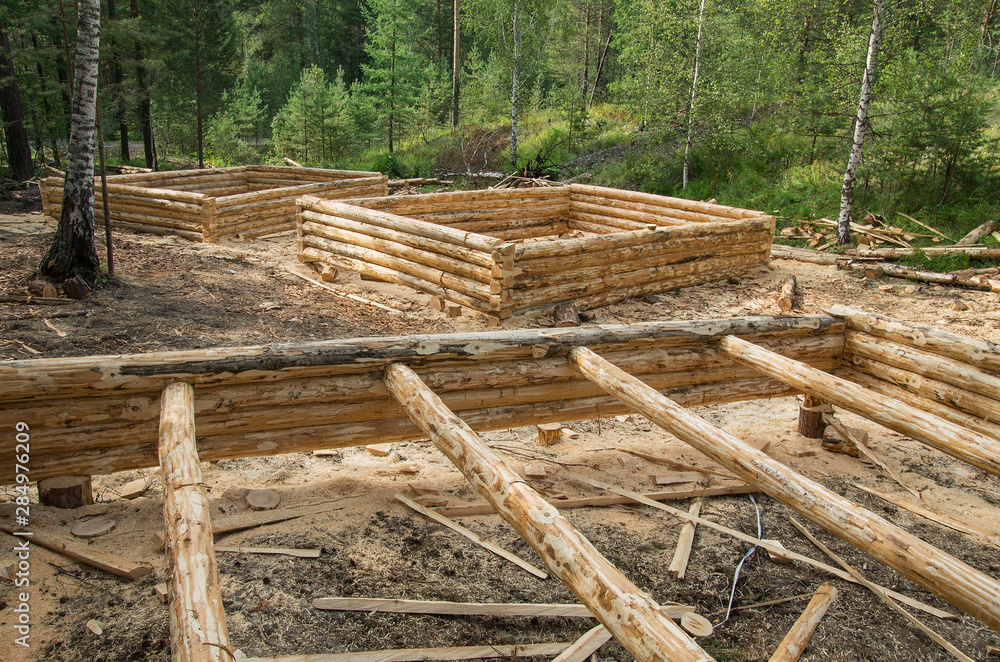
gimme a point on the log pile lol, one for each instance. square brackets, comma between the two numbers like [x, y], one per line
[528, 248]
[954, 377]
[211, 204]
[98, 415]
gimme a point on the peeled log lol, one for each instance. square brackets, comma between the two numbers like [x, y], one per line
[197, 620]
[786, 300]
[795, 642]
[977, 234]
[972, 447]
[629, 614]
[947, 577]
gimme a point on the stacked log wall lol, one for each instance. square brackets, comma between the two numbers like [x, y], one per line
[205, 205]
[98, 415]
[955, 377]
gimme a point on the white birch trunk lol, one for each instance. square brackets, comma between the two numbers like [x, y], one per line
[72, 251]
[513, 91]
[847, 192]
[694, 95]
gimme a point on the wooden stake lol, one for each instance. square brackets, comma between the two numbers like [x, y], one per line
[474, 537]
[881, 594]
[972, 447]
[628, 613]
[947, 577]
[678, 566]
[198, 630]
[795, 642]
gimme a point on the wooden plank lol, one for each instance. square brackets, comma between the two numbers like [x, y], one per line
[473, 536]
[927, 513]
[944, 575]
[82, 553]
[282, 551]
[628, 613]
[415, 654]
[678, 566]
[585, 646]
[445, 608]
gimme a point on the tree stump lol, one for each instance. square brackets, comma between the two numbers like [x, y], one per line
[811, 423]
[549, 433]
[66, 491]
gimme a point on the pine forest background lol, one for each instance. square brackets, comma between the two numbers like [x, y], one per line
[600, 90]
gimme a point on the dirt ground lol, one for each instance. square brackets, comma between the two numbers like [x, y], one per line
[172, 294]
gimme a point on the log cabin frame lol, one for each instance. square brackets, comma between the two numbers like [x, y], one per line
[102, 414]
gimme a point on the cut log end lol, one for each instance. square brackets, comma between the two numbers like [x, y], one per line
[66, 492]
[549, 433]
[263, 499]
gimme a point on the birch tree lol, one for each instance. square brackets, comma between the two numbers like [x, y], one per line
[694, 95]
[847, 191]
[72, 252]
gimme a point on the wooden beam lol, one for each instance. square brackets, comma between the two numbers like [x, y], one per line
[629, 614]
[977, 449]
[416, 654]
[947, 577]
[791, 647]
[197, 619]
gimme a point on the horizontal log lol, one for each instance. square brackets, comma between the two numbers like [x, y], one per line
[926, 364]
[333, 173]
[980, 353]
[170, 175]
[969, 446]
[467, 199]
[551, 230]
[572, 247]
[348, 186]
[601, 228]
[642, 213]
[583, 221]
[400, 266]
[160, 230]
[662, 200]
[706, 269]
[659, 244]
[429, 230]
[314, 224]
[932, 405]
[610, 269]
[256, 444]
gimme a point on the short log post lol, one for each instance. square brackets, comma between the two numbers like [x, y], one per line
[66, 491]
[811, 422]
[565, 315]
[628, 613]
[795, 642]
[786, 299]
[947, 577]
[549, 433]
[197, 620]
[977, 449]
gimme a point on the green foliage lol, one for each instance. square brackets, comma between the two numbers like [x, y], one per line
[236, 129]
[315, 125]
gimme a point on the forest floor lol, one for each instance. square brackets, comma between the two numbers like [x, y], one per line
[172, 294]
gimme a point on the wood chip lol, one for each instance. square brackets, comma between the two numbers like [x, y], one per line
[696, 624]
[263, 499]
[136, 488]
[93, 528]
[535, 471]
[673, 479]
[777, 552]
[161, 592]
[95, 626]
[379, 450]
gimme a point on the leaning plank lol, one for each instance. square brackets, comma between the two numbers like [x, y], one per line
[947, 577]
[678, 566]
[198, 630]
[596, 501]
[474, 537]
[414, 654]
[881, 594]
[791, 647]
[85, 554]
[927, 513]
[770, 545]
[972, 447]
[628, 613]
[283, 551]
[444, 608]
[585, 646]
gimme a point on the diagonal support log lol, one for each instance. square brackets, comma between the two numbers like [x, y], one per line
[965, 587]
[977, 449]
[628, 613]
[198, 630]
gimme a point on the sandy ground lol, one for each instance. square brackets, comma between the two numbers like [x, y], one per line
[174, 294]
